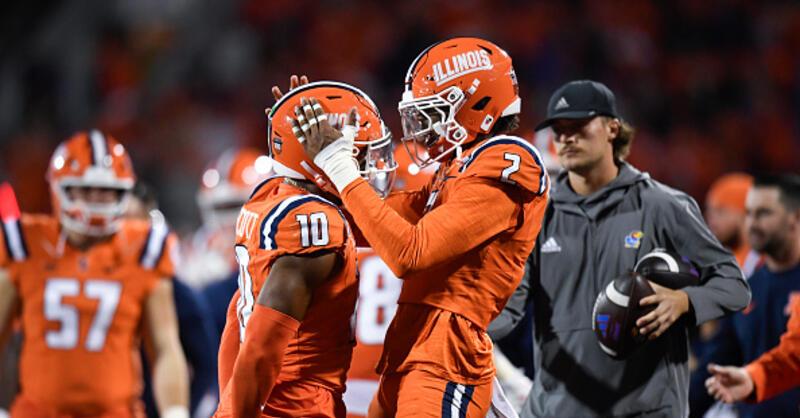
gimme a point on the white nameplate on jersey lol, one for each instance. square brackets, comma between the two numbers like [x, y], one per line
[458, 65]
[245, 223]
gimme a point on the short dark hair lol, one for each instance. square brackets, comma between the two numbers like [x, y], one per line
[505, 125]
[787, 184]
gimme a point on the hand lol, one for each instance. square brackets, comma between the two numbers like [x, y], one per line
[729, 384]
[331, 148]
[312, 128]
[671, 305]
[294, 82]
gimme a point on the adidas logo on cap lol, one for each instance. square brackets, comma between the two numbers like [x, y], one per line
[562, 104]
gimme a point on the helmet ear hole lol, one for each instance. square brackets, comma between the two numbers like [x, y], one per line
[481, 104]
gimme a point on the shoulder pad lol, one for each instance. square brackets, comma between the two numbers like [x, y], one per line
[508, 159]
[155, 246]
[303, 224]
[14, 247]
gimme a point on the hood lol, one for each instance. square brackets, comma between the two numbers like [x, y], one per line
[563, 197]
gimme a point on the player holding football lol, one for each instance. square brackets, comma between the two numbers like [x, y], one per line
[84, 281]
[603, 217]
[461, 241]
[298, 284]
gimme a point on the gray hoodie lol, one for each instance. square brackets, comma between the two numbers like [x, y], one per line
[585, 242]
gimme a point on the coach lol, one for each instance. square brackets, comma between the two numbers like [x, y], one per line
[604, 214]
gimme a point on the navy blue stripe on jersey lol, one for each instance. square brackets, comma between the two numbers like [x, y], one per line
[465, 400]
[447, 400]
[154, 246]
[500, 140]
[456, 400]
[269, 226]
[5, 240]
[14, 239]
[260, 185]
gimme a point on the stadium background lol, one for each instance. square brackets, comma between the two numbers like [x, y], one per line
[712, 86]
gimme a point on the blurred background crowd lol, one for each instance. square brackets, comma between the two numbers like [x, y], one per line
[711, 86]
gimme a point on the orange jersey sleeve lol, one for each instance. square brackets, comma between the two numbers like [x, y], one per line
[13, 246]
[486, 203]
[409, 204]
[303, 224]
[228, 345]
[778, 370]
[13, 243]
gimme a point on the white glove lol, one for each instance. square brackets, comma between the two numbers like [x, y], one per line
[336, 160]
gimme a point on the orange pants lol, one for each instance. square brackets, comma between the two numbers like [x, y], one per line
[26, 408]
[294, 399]
[421, 394]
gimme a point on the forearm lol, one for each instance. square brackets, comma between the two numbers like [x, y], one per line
[778, 370]
[259, 362]
[170, 380]
[228, 346]
[478, 213]
[724, 292]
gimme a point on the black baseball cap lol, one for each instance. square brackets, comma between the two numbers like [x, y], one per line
[580, 99]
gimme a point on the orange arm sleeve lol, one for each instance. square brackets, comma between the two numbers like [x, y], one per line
[259, 361]
[476, 211]
[778, 370]
[409, 204]
[228, 345]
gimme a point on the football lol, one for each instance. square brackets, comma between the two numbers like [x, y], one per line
[615, 312]
[667, 269]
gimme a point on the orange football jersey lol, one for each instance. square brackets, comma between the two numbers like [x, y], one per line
[82, 311]
[378, 290]
[463, 258]
[282, 219]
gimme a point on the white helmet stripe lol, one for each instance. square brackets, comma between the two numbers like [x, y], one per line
[98, 143]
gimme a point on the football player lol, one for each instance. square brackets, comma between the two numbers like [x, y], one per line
[460, 243]
[288, 343]
[225, 186]
[378, 291]
[84, 280]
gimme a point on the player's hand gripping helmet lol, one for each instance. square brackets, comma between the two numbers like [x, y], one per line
[454, 91]
[90, 160]
[373, 142]
[228, 182]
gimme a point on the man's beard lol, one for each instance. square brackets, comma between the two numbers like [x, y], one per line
[772, 246]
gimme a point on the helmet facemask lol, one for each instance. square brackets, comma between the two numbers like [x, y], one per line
[89, 218]
[376, 162]
[431, 122]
